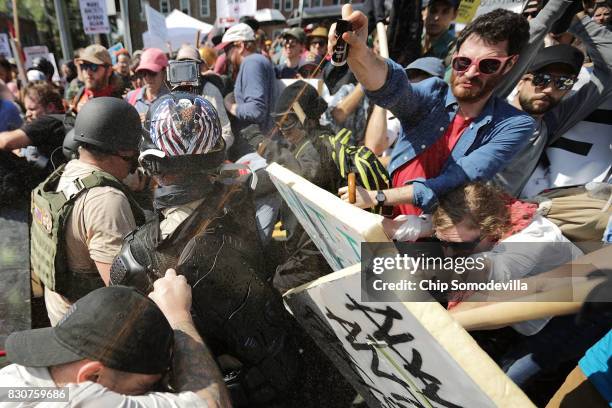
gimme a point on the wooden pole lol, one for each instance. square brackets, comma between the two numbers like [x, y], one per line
[16, 24]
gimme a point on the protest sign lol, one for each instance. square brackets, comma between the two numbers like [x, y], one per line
[337, 228]
[467, 11]
[113, 49]
[36, 51]
[399, 354]
[5, 46]
[490, 5]
[156, 23]
[95, 19]
[230, 11]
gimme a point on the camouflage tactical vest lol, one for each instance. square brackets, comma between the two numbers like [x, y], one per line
[50, 211]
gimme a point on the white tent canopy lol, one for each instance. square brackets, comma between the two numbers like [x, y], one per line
[268, 15]
[182, 29]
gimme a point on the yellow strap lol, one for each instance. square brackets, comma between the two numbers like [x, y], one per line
[297, 154]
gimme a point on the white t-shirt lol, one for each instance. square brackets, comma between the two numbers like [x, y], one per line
[538, 248]
[87, 394]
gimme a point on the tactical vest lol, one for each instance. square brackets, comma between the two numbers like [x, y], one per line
[50, 211]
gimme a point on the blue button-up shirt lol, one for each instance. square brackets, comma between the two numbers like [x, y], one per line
[425, 110]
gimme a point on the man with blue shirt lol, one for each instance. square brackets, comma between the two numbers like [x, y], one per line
[9, 116]
[453, 133]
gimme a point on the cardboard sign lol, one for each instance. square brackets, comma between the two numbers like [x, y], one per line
[399, 354]
[337, 228]
[95, 19]
[5, 46]
[467, 11]
[156, 23]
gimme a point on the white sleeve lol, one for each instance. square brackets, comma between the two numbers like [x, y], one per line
[93, 395]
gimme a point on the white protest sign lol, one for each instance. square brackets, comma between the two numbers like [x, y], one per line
[230, 11]
[156, 23]
[399, 354]
[5, 46]
[36, 51]
[490, 5]
[337, 228]
[95, 19]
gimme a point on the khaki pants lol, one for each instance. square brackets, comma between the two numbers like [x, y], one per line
[576, 213]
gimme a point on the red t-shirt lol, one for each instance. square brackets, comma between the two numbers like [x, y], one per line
[429, 163]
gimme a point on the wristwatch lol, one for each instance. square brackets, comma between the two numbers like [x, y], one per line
[380, 198]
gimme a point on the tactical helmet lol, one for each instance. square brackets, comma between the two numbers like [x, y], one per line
[108, 124]
[182, 134]
[70, 147]
[43, 65]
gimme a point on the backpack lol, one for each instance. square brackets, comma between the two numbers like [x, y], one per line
[50, 212]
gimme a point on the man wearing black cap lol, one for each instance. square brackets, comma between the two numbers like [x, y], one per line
[294, 41]
[542, 91]
[112, 348]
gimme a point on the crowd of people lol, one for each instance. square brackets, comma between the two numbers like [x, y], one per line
[499, 135]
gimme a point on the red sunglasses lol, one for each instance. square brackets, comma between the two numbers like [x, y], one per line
[486, 66]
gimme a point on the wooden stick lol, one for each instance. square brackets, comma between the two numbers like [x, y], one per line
[352, 188]
[382, 39]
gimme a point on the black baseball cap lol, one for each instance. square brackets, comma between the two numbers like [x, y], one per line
[558, 54]
[115, 325]
[305, 95]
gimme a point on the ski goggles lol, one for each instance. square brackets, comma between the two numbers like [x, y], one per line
[486, 66]
[561, 82]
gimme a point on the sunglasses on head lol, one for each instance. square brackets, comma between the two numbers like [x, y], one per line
[562, 82]
[85, 66]
[486, 66]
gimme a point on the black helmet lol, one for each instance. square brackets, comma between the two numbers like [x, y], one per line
[43, 65]
[304, 95]
[108, 124]
[182, 135]
[70, 147]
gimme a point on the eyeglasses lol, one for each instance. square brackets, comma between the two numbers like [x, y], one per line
[287, 122]
[146, 73]
[460, 246]
[486, 66]
[290, 43]
[85, 66]
[562, 82]
[320, 43]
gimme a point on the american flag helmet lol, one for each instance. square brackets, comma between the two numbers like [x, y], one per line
[180, 124]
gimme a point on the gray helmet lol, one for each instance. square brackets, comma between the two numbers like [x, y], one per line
[108, 124]
[70, 147]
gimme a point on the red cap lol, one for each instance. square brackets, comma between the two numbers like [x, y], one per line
[152, 59]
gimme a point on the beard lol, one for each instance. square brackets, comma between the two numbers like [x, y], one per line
[480, 89]
[528, 104]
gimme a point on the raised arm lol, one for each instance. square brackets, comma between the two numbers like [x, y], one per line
[193, 366]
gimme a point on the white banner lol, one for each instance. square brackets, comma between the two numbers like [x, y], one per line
[5, 46]
[95, 20]
[35, 51]
[230, 11]
[156, 23]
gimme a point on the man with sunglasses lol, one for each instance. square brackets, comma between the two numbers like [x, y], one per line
[293, 48]
[451, 134]
[152, 69]
[317, 41]
[83, 210]
[96, 69]
[544, 93]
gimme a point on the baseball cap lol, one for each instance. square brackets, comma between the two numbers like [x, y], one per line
[152, 59]
[309, 100]
[188, 52]
[35, 75]
[297, 33]
[308, 63]
[431, 65]
[558, 54]
[238, 32]
[318, 32]
[95, 54]
[116, 325]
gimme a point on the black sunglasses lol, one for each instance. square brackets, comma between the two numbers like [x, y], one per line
[460, 246]
[91, 66]
[562, 83]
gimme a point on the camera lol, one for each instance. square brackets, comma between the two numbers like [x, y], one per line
[183, 73]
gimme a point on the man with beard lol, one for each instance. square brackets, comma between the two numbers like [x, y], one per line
[251, 101]
[96, 68]
[541, 93]
[451, 134]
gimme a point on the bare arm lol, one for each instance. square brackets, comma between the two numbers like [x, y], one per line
[348, 105]
[104, 270]
[14, 139]
[376, 132]
[193, 366]
[367, 198]
[369, 69]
